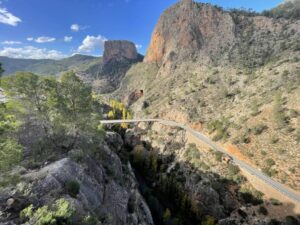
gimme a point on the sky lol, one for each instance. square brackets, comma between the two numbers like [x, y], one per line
[60, 28]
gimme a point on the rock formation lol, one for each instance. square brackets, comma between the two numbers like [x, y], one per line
[106, 187]
[119, 50]
[188, 29]
[117, 59]
[191, 31]
[206, 64]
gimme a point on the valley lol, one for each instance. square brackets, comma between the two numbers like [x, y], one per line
[203, 129]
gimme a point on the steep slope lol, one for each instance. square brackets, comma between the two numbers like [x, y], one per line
[232, 74]
[210, 35]
[106, 190]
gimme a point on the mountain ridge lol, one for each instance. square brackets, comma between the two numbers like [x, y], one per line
[44, 66]
[244, 91]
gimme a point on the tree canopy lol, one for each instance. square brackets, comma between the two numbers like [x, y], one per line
[1, 70]
[63, 112]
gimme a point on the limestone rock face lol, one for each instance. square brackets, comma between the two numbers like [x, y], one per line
[208, 35]
[119, 50]
[106, 187]
[118, 58]
[188, 29]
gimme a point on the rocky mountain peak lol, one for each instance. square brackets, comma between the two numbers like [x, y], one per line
[200, 32]
[118, 50]
[187, 29]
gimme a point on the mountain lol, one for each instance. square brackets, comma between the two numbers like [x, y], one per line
[118, 57]
[232, 74]
[46, 66]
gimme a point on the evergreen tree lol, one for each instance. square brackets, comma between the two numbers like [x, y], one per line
[1, 70]
[10, 150]
[63, 109]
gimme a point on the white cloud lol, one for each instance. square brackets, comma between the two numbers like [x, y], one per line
[11, 42]
[30, 52]
[29, 39]
[91, 43]
[138, 46]
[44, 39]
[75, 27]
[68, 38]
[8, 18]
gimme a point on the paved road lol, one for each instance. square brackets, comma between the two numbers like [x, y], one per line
[279, 187]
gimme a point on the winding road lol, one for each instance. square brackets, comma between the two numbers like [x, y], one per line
[267, 180]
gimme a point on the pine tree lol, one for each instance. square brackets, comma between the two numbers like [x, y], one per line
[1, 70]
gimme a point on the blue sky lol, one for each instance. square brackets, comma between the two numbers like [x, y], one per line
[60, 28]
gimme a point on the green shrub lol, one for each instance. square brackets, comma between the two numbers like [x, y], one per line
[220, 127]
[91, 220]
[209, 220]
[192, 152]
[278, 112]
[268, 171]
[274, 201]
[167, 215]
[72, 188]
[60, 213]
[270, 162]
[274, 222]
[233, 169]
[10, 150]
[259, 129]
[274, 140]
[252, 196]
[9, 180]
[264, 153]
[202, 165]
[263, 210]
[245, 138]
[290, 220]
[218, 156]
[292, 170]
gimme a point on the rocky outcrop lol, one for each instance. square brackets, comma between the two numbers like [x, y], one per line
[187, 29]
[118, 58]
[197, 32]
[133, 97]
[119, 50]
[107, 188]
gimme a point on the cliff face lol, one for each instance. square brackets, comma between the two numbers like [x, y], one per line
[190, 31]
[119, 50]
[117, 59]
